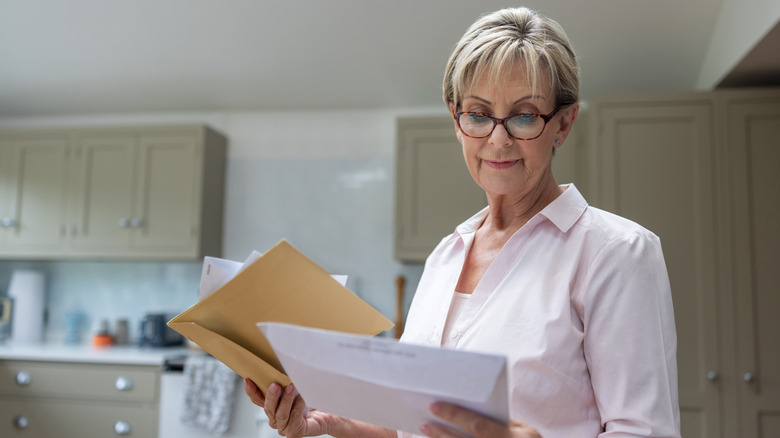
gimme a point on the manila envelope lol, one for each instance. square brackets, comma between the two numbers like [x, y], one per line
[283, 285]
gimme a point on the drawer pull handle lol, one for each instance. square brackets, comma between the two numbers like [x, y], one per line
[23, 378]
[21, 422]
[123, 383]
[122, 428]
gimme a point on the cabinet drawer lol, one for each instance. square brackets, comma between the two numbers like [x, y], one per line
[132, 383]
[45, 419]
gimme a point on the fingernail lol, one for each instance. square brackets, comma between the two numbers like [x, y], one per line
[289, 389]
[435, 408]
[425, 429]
[275, 389]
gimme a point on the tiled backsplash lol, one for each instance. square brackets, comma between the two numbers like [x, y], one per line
[110, 290]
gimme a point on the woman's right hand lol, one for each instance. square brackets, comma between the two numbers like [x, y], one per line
[287, 412]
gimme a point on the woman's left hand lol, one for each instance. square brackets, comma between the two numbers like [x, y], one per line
[478, 424]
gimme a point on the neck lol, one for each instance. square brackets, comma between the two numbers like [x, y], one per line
[510, 212]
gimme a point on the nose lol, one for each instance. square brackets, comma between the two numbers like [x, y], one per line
[500, 136]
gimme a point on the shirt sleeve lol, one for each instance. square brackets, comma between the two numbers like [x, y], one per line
[630, 339]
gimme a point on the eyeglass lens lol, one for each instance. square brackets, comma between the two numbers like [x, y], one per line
[524, 126]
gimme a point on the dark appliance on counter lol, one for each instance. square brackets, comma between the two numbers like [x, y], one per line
[156, 333]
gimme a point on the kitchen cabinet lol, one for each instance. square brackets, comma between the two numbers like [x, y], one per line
[123, 193]
[434, 190]
[698, 170]
[33, 193]
[54, 399]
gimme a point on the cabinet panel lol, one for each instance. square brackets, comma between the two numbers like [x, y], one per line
[168, 184]
[655, 167]
[70, 380]
[103, 174]
[434, 190]
[56, 419]
[35, 190]
[754, 157]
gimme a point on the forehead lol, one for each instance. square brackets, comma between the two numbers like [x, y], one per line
[508, 84]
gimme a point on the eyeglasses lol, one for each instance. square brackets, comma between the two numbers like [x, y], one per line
[519, 126]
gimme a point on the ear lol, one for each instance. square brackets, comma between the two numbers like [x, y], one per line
[568, 116]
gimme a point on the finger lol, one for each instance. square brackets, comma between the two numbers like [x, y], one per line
[468, 420]
[283, 410]
[297, 424]
[271, 403]
[254, 393]
[436, 430]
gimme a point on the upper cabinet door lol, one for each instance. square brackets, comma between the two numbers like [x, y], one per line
[33, 195]
[654, 164]
[434, 190]
[168, 184]
[103, 176]
[752, 157]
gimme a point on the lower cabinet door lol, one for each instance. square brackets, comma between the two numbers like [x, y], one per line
[65, 418]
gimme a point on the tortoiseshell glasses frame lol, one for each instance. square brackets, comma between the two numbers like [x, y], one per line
[518, 126]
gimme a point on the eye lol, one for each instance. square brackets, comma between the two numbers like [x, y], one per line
[475, 119]
[524, 121]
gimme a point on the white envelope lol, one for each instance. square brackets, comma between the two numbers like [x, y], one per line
[383, 382]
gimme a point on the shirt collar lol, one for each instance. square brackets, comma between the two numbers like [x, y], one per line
[566, 209]
[563, 212]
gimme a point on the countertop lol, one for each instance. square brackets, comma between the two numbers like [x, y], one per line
[124, 355]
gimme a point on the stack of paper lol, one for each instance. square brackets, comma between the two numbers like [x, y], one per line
[281, 285]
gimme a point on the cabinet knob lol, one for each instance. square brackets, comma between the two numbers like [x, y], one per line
[21, 422]
[712, 375]
[7, 222]
[122, 428]
[748, 377]
[23, 378]
[136, 223]
[124, 222]
[123, 383]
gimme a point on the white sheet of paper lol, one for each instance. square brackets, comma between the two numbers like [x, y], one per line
[383, 382]
[217, 272]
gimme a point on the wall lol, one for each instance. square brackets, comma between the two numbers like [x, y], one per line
[741, 24]
[322, 180]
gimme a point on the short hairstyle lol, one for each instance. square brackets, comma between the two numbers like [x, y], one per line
[496, 42]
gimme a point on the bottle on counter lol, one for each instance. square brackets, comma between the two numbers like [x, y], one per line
[73, 321]
[121, 332]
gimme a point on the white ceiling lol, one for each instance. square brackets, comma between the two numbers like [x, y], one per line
[97, 56]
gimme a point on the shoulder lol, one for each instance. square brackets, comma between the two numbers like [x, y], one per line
[609, 228]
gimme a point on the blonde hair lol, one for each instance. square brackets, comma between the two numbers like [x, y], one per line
[497, 42]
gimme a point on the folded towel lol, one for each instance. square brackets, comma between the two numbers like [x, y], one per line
[209, 394]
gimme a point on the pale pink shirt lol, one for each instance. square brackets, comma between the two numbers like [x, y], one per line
[579, 302]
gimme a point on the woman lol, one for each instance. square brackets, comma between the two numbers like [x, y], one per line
[577, 299]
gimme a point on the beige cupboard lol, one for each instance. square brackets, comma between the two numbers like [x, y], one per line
[125, 193]
[700, 170]
[50, 399]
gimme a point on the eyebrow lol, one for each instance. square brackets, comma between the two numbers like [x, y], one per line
[530, 96]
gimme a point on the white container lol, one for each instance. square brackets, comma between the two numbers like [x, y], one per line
[27, 288]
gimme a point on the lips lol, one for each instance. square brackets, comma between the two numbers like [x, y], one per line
[500, 164]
